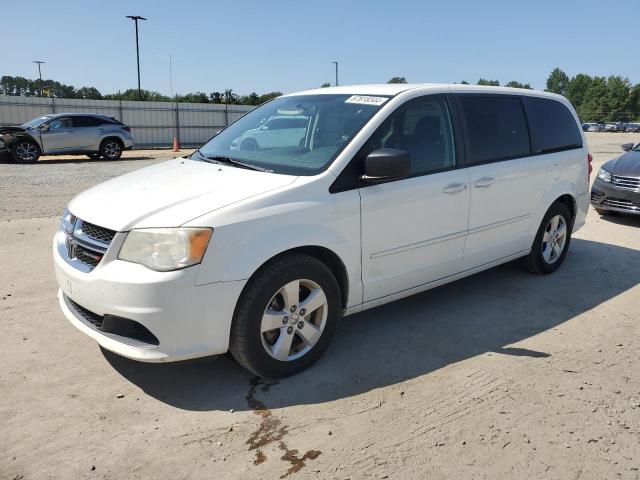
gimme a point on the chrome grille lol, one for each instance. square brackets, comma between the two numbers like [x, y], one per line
[86, 242]
[87, 256]
[622, 204]
[628, 183]
[97, 233]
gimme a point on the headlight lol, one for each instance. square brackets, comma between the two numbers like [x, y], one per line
[165, 249]
[604, 175]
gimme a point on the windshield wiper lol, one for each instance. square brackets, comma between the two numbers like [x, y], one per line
[232, 161]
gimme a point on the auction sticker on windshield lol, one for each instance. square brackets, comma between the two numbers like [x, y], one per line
[366, 100]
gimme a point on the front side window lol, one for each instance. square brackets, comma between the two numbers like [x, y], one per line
[59, 123]
[297, 135]
[496, 128]
[553, 127]
[422, 128]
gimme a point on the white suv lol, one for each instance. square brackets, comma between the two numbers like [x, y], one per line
[393, 189]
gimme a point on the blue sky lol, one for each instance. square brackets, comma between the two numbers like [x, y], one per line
[288, 45]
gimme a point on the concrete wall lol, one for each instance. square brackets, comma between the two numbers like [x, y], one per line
[153, 124]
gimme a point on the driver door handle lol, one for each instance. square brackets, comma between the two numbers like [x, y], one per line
[455, 188]
[484, 182]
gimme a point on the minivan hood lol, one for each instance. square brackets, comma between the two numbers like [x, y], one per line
[170, 194]
[627, 165]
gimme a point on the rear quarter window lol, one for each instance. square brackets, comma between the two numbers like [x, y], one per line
[495, 128]
[553, 127]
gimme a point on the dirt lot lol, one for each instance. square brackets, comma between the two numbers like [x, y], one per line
[501, 375]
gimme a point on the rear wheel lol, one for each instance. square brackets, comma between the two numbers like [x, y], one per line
[552, 241]
[111, 149]
[25, 151]
[286, 317]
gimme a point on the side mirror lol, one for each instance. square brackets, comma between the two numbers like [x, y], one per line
[627, 147]
[386, 164]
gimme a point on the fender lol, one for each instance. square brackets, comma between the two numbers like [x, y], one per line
[254, 236]
[11, 135]
[558, 189]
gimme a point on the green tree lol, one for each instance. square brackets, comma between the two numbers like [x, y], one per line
[325, 85]
[593, 106]
[576, 90]
[89, 92]
[557, 82]
[268, 96]
[464, 82]
[397, 80]
[617, 99]
[491, 83]
[516, 84]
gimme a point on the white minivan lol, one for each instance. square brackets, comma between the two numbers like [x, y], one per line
[391, 190]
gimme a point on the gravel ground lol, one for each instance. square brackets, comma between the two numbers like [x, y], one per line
[500, 375]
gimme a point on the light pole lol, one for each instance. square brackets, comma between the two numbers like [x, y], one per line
[336, 64]
[135, 18]
[39, 62]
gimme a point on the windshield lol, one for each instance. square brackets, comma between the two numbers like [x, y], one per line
[35, 122]
[298, 135]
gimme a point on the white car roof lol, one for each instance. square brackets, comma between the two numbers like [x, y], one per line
[391, 89]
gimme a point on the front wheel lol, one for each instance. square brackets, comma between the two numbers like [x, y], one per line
[552, 241]
[286, 317]
[25, 151]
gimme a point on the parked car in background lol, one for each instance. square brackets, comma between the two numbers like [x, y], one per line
[616, 188]
[277, 131]
[66, 133]
[611, 127]
[590, 127]
[390, 190]
[632, 127]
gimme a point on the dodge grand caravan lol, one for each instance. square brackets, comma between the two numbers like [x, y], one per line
[387, 190]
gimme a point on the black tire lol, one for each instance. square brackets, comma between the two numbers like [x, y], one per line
[535, 261]
[111, 148]
[25, 151]
[93, 156]
[246, 341]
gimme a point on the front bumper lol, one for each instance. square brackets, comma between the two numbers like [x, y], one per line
[605, 196]
[186, 320]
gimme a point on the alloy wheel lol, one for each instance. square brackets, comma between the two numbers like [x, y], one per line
[26, 152]
[294, 320]
[112, 149]
[554, 239]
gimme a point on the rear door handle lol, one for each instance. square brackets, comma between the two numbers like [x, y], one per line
[455, 188]
[484, 182]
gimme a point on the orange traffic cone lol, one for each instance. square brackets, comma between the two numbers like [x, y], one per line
[176, 144]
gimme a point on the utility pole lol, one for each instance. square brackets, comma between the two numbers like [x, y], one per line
[39, 62]
[336, 64]
[135, 18]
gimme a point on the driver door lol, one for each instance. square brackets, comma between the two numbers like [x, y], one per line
[414, 228]
[59, 136]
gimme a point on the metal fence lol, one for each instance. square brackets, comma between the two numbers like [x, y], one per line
[153, 124]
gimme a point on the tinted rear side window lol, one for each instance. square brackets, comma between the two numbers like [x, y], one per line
[86, 121]
[496, 128]
[553, 127]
